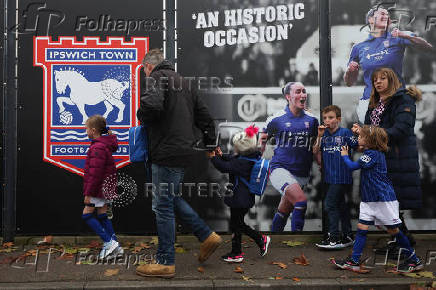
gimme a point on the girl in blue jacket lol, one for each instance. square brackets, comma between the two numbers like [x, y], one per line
[379, 205]
[240, 199]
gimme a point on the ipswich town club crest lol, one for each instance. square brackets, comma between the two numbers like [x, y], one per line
[81, 79]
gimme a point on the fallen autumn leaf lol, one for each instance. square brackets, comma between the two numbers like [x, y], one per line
[411, 275]
[111, 272]
[280, 264]
[180, 250]
[426, 274]
[292, 243]
[154, 241]
[238, 270]
[8, 245]
[302, 260]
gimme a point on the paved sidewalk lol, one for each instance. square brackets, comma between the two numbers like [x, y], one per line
[67, 266]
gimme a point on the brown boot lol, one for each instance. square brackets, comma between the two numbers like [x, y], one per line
[209, 246]
[156, 270]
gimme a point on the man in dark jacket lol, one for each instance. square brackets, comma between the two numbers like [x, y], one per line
[171, 108]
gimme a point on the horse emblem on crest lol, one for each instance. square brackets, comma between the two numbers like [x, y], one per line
[81, 79]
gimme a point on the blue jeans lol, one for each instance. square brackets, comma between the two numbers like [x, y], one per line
[337, 209]
[167, 201]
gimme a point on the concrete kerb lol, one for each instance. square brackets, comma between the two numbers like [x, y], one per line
[43, 285]
[325, 284]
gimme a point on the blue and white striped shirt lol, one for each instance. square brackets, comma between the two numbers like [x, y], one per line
[335, 169]
[375, 185]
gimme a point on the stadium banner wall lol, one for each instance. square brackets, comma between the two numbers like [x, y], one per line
[251, 56]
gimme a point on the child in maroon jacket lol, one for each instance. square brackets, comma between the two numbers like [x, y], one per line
[100, 165]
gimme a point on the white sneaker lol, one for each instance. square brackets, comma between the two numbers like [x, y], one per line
[108, 248]
[119, 251]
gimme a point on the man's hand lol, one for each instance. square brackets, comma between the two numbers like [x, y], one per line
[353, 66]
[218, 151]
[210, 154]
[321, 130]
[344, 151]
[356, 129]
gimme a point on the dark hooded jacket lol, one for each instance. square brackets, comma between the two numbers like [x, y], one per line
[171, 108]
[99, 164]
[237, 195]
[398, 119]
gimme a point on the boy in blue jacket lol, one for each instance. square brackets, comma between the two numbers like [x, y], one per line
[245, 144]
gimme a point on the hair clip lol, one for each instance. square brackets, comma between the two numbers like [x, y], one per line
[251, 130]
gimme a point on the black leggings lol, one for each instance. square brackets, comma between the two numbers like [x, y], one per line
[405, 230]
[238, 227]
